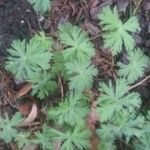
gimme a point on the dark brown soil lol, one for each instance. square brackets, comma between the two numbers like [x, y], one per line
[16, 18]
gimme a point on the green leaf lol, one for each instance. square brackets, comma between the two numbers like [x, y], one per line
[116, 33]
[43, 138]
[40, 6]
[43, 84]
[78, 138]
[71, 111]
[58, 65]
[7, 126]
[144, 143]
[124, 125]
[136, 66]
[115, 98]
[129, 125]
[22, 139]
[107, 138]
[28, 58]
[80, 75]
[78, 46]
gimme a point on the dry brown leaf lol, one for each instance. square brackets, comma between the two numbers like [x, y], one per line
[57, 144]
[91, 121]
[31, 117]
[24, 90]
[25, 108]
[31, 147]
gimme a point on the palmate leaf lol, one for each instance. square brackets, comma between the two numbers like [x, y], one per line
[78, 45]
[80, 75]
[136, 66]
[129, 125]
[125, 125]
[77, 138]
[107, 137]
[70, 111]
[115, 98]
[43, 138]
[7, 126]
[22, 139]
[143, 141]
[43, 84]
[28, 58]
[58, 65]
[40, 6]
[116, 33]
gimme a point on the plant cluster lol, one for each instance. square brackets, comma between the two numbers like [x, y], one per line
[38, 62]
[119, 108]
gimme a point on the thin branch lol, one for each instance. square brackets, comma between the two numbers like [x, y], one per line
[137, 7]
[61, 87]
[10, 102]
[139, 83]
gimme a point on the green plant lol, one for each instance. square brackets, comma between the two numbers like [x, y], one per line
[116, 33]
[58, 65]
[77, 44]
[43, 84]
[79, 74]
[117, 106]
[115, 99]
[135, 67]
[72, 111]
[22, 139]
[142, 142]
[29, 58]
[7, 127]
[43, 138]
[40, 6]
[76, 138]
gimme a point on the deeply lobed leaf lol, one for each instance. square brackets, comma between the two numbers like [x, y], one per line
[79, 74]
[70, 111]
[78, 46]
[7, 126]
[43, 84]
[40, 6]
[136, 66]
[78, 138]
[28, 58]
[116, 33]
[115, 99]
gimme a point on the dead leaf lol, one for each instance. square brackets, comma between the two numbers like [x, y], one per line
[31, 117]
[25, 108]
[91, 28]
[30, 147]
[57, 144]
[91, 122]
[24, 90]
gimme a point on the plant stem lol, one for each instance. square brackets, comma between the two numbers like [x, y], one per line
[137, 6]
[139, 83]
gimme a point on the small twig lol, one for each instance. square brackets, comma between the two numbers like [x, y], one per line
[30, 124]
[137, 6]
[10, 102]
[95, 37]
[39, 22]
[61, 87]
[30, 28]
[65, 2]
[139, 83]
